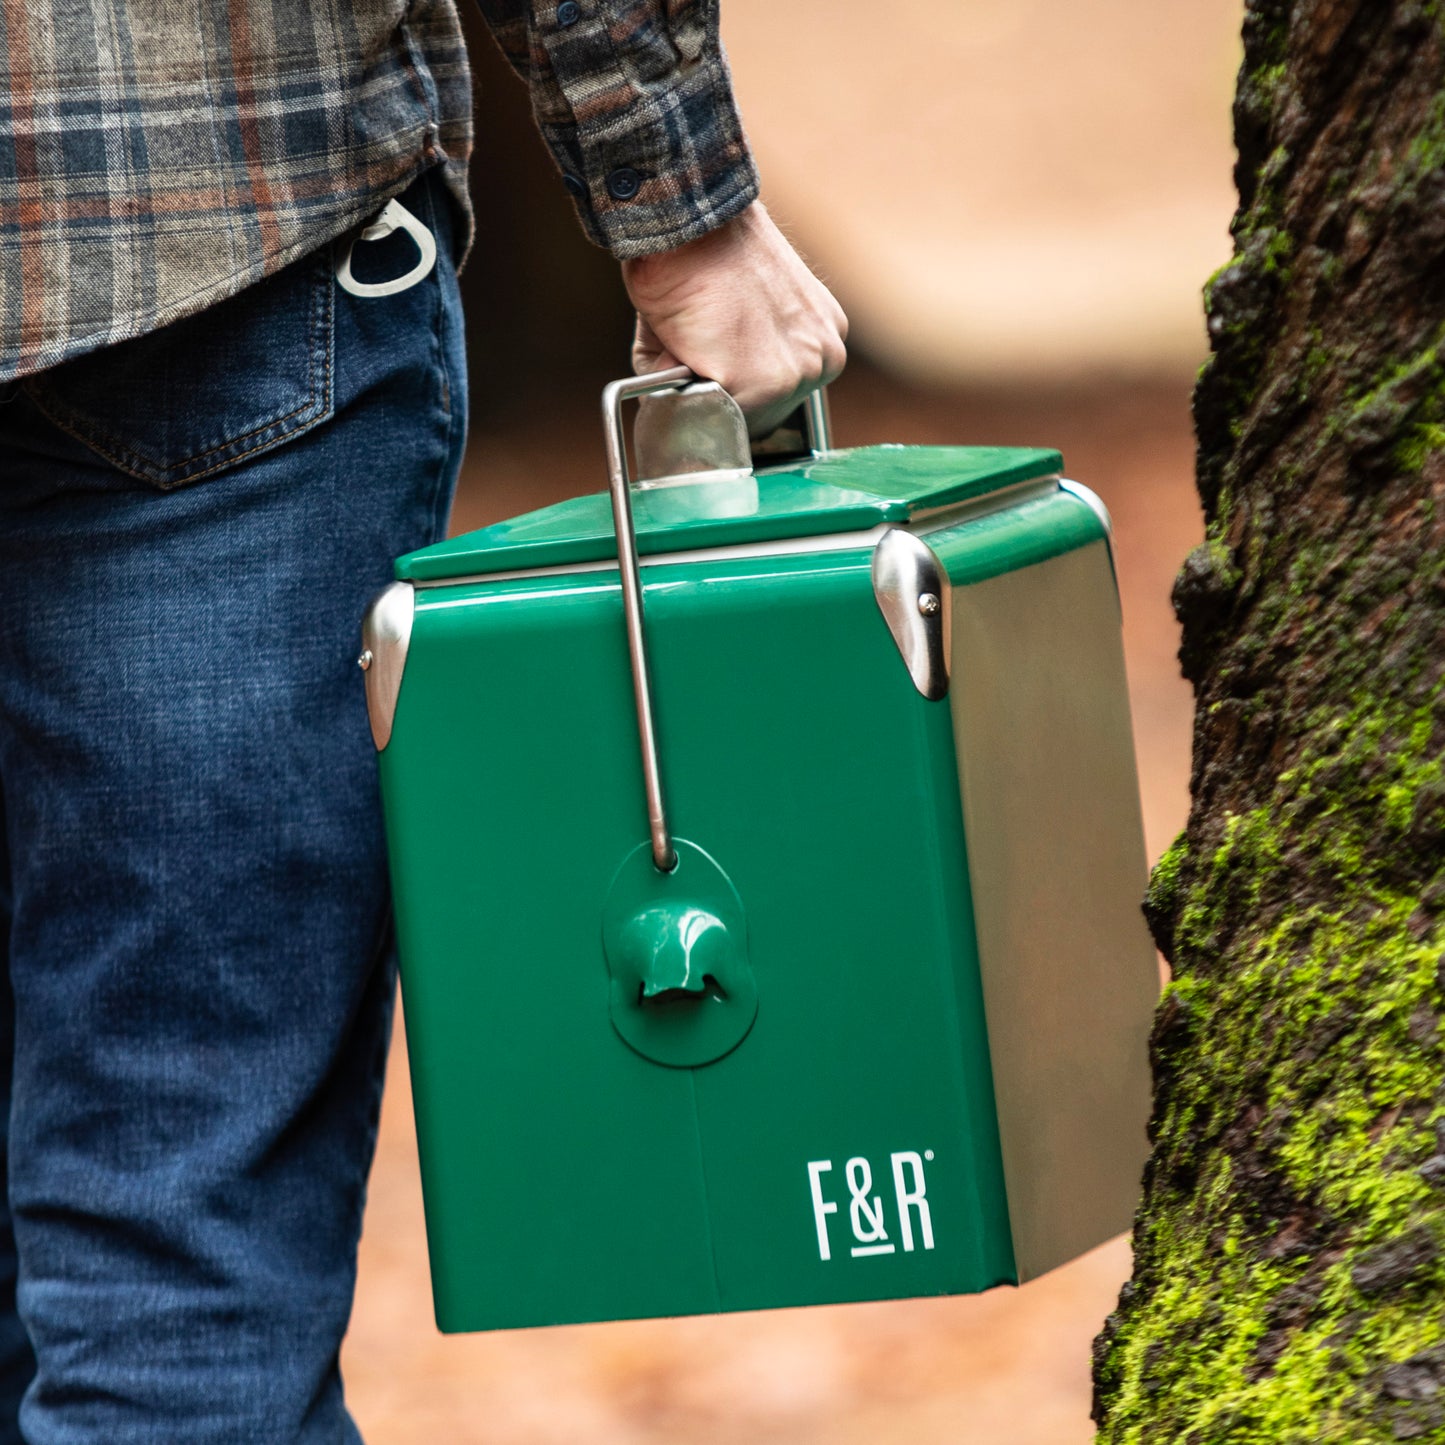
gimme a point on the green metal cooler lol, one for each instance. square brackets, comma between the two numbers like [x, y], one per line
[769, 931]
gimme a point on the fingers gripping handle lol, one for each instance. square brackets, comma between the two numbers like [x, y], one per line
[815, 421]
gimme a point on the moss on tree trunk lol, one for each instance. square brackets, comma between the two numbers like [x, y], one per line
[1290, 1250]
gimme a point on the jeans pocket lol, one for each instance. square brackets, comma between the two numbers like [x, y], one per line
[204, 393]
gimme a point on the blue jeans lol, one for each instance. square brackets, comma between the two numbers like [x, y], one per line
[194, 913]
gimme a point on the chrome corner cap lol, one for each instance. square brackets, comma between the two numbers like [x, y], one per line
[1093, 502]
[386, 635]
[912, 590]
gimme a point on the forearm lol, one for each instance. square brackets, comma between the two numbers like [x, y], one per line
[634, 99]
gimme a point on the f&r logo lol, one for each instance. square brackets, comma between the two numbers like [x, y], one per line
[865, 1209]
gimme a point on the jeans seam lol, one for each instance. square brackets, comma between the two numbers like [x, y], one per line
[132, 462]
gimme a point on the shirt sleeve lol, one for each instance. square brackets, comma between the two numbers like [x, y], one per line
[635, 102]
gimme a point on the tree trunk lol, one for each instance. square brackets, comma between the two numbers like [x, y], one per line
[1290, 1249]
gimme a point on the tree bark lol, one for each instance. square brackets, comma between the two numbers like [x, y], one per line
[1289, 1276]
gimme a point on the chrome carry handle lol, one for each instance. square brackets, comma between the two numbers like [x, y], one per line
[817, 430]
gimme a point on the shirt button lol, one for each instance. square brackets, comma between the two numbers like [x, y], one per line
[573, 186]
[569, 12]
[623, 183]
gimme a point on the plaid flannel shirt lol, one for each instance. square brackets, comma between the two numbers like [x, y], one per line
[158, 156]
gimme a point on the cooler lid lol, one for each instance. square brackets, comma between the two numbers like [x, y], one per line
[842, 491]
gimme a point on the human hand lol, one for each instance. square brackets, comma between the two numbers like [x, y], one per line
[739, 306]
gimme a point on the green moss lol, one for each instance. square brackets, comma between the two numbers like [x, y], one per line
[1292, 1247]
[1300, 1080]
[1271, 77]
[1233, 1368]
[1421, 443]
[1278, 250]
[1403, 403]
[1241, 297]
[1221, 559]
[1164, 881]
[1427, 149]
[1219, 1304]
[1394, 380]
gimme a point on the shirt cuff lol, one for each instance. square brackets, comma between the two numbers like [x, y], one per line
[651, 160]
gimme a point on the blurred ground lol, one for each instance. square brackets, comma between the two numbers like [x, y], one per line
[1007, 1368]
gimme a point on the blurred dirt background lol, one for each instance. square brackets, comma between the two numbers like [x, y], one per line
[1017, 202]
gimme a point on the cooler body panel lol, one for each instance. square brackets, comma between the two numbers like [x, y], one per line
[545, 1143]
[918, 1064]
[566, 1176]
[1069, 973]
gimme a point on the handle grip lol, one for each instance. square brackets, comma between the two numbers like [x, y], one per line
[817, 432]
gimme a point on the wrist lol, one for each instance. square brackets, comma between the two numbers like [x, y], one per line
[713, 247]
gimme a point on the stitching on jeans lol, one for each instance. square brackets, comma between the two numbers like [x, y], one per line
[323, 295]
[139, 459]
[127, 459]
[260, 446]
